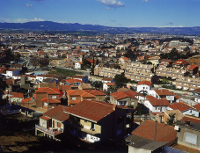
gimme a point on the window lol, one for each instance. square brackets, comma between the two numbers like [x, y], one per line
[53, 97]
[191, 138]
[73, 98]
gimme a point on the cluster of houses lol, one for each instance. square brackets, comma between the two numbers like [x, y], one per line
[73, 106]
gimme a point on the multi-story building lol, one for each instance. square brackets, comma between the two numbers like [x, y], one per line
[187, 83]
[170, 72]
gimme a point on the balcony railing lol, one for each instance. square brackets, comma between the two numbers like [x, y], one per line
[51, 132]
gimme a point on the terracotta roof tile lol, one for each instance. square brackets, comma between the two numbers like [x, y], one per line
[162, 92]
[17, 94]
[197, 106]
[51, 101]
[93, 110]
[45, 118]
[191, 119]
[180, 106]
[2, 69]
[157, 102]
[144, 82]
[48, 90]
[58, 113]
[165, 133]
[70, 81]
[26, 100]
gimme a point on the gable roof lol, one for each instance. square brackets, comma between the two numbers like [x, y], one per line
[92, 110]
[96, 92]
[157, 102]
[180, 106]
[58, 113]
[145, 82]
[120, 94]
[51, 101]
[197, 106]
[70, 81]
[192, 119]
[164, 133]
[163, 92]
[2, 69]
[48, 90]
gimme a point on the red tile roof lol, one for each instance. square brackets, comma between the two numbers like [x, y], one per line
[197, 106]
[124, 58]
[17, 94]
[91, 61]
[45, 118]
[2, 69]
[191, 119]
[64, 87]
[197, 90]
[110, 84]
[51, 101]
[179, 106]
[96, 92]
[48, 90]
[123, 94]
[191, 67]
[92, 110]
[26, 100]
[144, 82]
[70, 81]
[107, 79]
[72, 102]
[164, 133]
[179, 62]
[157, 102]
[163, 92]
[58, 113]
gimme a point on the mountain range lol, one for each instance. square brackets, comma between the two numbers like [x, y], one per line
[54, 26]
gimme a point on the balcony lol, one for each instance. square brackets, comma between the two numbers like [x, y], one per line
[50, 131]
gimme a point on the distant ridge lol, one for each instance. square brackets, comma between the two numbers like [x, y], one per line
[54, 26]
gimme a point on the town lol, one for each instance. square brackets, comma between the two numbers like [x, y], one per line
[127, 93]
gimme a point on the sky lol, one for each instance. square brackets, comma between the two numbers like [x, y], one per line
[114, 13]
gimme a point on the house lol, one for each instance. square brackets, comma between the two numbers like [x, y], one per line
[3, 70]
[52, 123]
[42, 77]
[185, 109]
[78, 65]
[144, 86]
[12, 72]
[76, 96]
[106, 86]
[85, 86]
[125, 98]
[192, 69]
[99, 122]
[165, 63]
[150, 137]
[163, 93]
[188, 132]
[47, 97]
[180, 63]
[99, 95]
[75, 82]
[14, 97]
[156, 105]
[106, 80]
[81, 77]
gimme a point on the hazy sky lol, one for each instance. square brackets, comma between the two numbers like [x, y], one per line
[118, 13]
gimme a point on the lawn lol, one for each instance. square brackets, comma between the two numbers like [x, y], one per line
[64, 72]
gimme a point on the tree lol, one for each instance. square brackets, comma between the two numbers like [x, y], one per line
[98, 85]
[170, 120]
[86, 64]
[44, 62]
[3, 86]
[17, 57]
[120, 80]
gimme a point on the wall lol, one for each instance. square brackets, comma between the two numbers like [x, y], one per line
[181, 137]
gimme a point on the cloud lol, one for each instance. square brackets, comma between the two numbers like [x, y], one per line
[145, 0]
[2, 20]
[170, 23]
[112, 3]
[29, 5]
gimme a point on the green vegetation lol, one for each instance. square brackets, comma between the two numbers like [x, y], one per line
[120, 80]
[64, 72]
